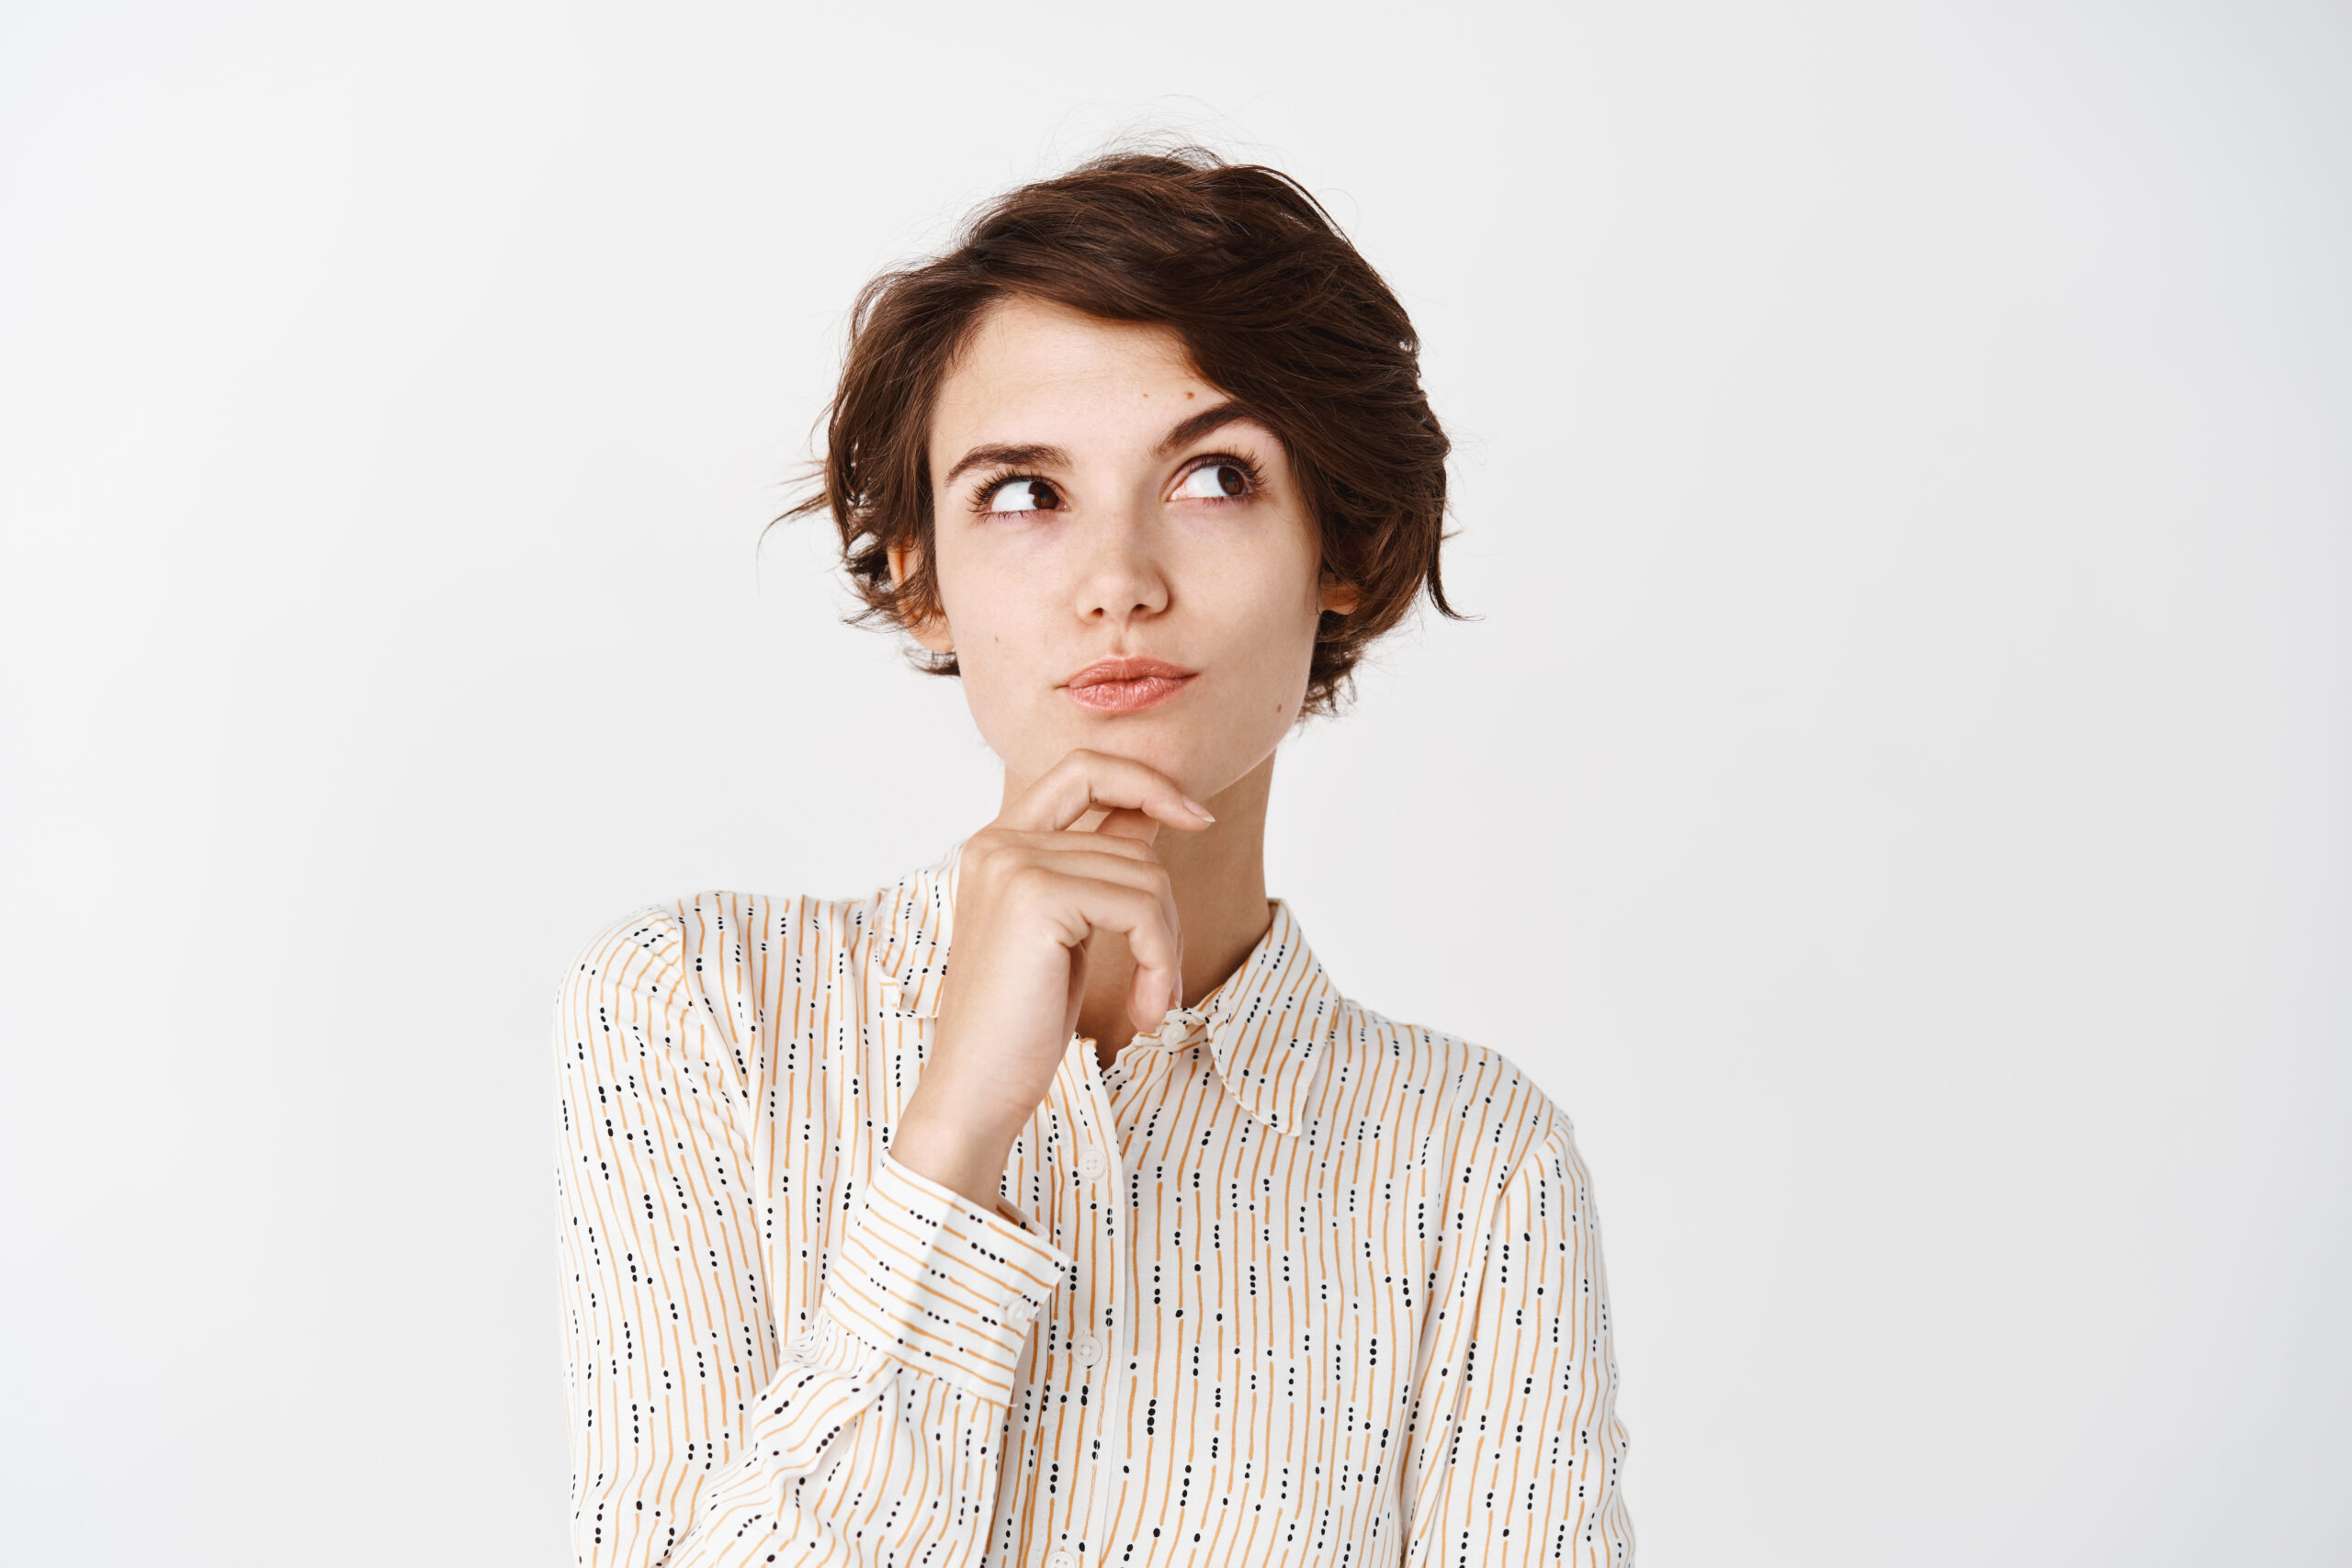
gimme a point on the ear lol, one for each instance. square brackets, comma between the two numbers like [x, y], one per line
[931, 631]
[1338, 598]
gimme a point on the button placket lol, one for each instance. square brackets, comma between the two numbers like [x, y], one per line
[1093, 1304]
[1097, 1348]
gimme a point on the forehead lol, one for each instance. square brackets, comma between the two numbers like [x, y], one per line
[1033, 371]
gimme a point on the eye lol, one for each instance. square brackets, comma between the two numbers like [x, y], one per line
[1022, 495]
[1219, 481]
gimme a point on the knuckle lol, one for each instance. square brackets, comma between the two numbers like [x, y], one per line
[992, 869]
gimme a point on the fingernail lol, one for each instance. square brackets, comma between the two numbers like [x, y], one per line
[1197, 809]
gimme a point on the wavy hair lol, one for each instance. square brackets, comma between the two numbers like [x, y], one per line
[1277, 310]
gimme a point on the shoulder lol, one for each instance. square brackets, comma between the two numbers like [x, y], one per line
[1467, 1105]
[733, 958]
[720, 934]
[637, 951]
[710, 984]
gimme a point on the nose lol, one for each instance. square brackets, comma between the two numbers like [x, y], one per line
[1122, 580]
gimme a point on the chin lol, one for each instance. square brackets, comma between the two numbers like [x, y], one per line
[1164, 747]
[1201, 766]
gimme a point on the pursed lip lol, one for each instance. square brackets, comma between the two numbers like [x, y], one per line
[1107, 670]
[1126, 685]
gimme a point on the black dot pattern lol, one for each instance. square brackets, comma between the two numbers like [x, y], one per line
[1288, 1282]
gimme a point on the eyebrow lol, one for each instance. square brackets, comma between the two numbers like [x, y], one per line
[1022, 457]
[1007, 457]
[1213, 418]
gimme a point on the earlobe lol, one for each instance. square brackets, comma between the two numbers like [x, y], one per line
[1340, 598]
[931, 632]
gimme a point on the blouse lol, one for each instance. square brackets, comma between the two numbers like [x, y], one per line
[1288, 1282]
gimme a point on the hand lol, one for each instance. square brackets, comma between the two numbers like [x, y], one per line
[1029, 895]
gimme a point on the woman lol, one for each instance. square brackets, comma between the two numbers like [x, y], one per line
[1053, 1205]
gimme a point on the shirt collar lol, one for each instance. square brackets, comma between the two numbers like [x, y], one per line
[1270, 1026]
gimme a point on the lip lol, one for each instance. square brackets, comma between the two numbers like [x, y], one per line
[1126, 685]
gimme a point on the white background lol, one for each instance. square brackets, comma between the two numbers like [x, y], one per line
[1896, 799]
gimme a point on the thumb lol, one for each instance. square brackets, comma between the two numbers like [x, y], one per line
[1125, 822]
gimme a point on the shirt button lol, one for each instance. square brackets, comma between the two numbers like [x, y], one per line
[1087, 1348]
[1061, 1559]
[1010, 1308]
[1089, 1164]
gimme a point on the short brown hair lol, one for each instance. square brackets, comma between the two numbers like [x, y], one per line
[1273, 304]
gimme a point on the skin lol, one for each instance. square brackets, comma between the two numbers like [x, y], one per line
[1125, 871]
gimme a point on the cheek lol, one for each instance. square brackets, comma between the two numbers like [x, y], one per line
[1276, 591]
[995, 613]
[969, 593]
[1267, 618]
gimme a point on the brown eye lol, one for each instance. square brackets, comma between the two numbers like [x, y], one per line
[1024, 495]
[1214, 482]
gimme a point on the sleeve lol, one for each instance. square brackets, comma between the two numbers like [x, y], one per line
[1516, 1455]
[695, 1439]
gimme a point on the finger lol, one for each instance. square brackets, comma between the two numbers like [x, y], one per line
[1032, 846]
[1086, 864]
[1146, 876]
[1174, 991]
[1148, 1005]
[1141, 916]
[1084, 780]
[1123, 822]
[1157, 986]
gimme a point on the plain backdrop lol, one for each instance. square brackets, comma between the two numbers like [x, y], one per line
[1902, 476]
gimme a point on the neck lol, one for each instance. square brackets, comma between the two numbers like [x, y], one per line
[1219, 879]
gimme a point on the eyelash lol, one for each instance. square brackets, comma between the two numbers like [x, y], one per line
[1251, 480]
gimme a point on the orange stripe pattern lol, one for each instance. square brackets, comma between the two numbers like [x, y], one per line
[1288, 1282]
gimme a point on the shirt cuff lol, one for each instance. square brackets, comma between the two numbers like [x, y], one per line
[930, 1278]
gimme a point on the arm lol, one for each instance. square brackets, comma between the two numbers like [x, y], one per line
[696, 1441]
[1516, 1452]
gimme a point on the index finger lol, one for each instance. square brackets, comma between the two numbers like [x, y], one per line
[1084, 780]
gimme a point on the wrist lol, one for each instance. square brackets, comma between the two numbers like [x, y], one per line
[959, 1152]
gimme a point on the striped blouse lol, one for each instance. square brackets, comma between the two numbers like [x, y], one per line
[1289, 1282]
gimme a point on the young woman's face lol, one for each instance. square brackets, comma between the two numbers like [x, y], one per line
[1124, 564]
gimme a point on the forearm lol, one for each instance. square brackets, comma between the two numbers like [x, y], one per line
[880, 1441]
[952, 1139]
[696, 1437]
